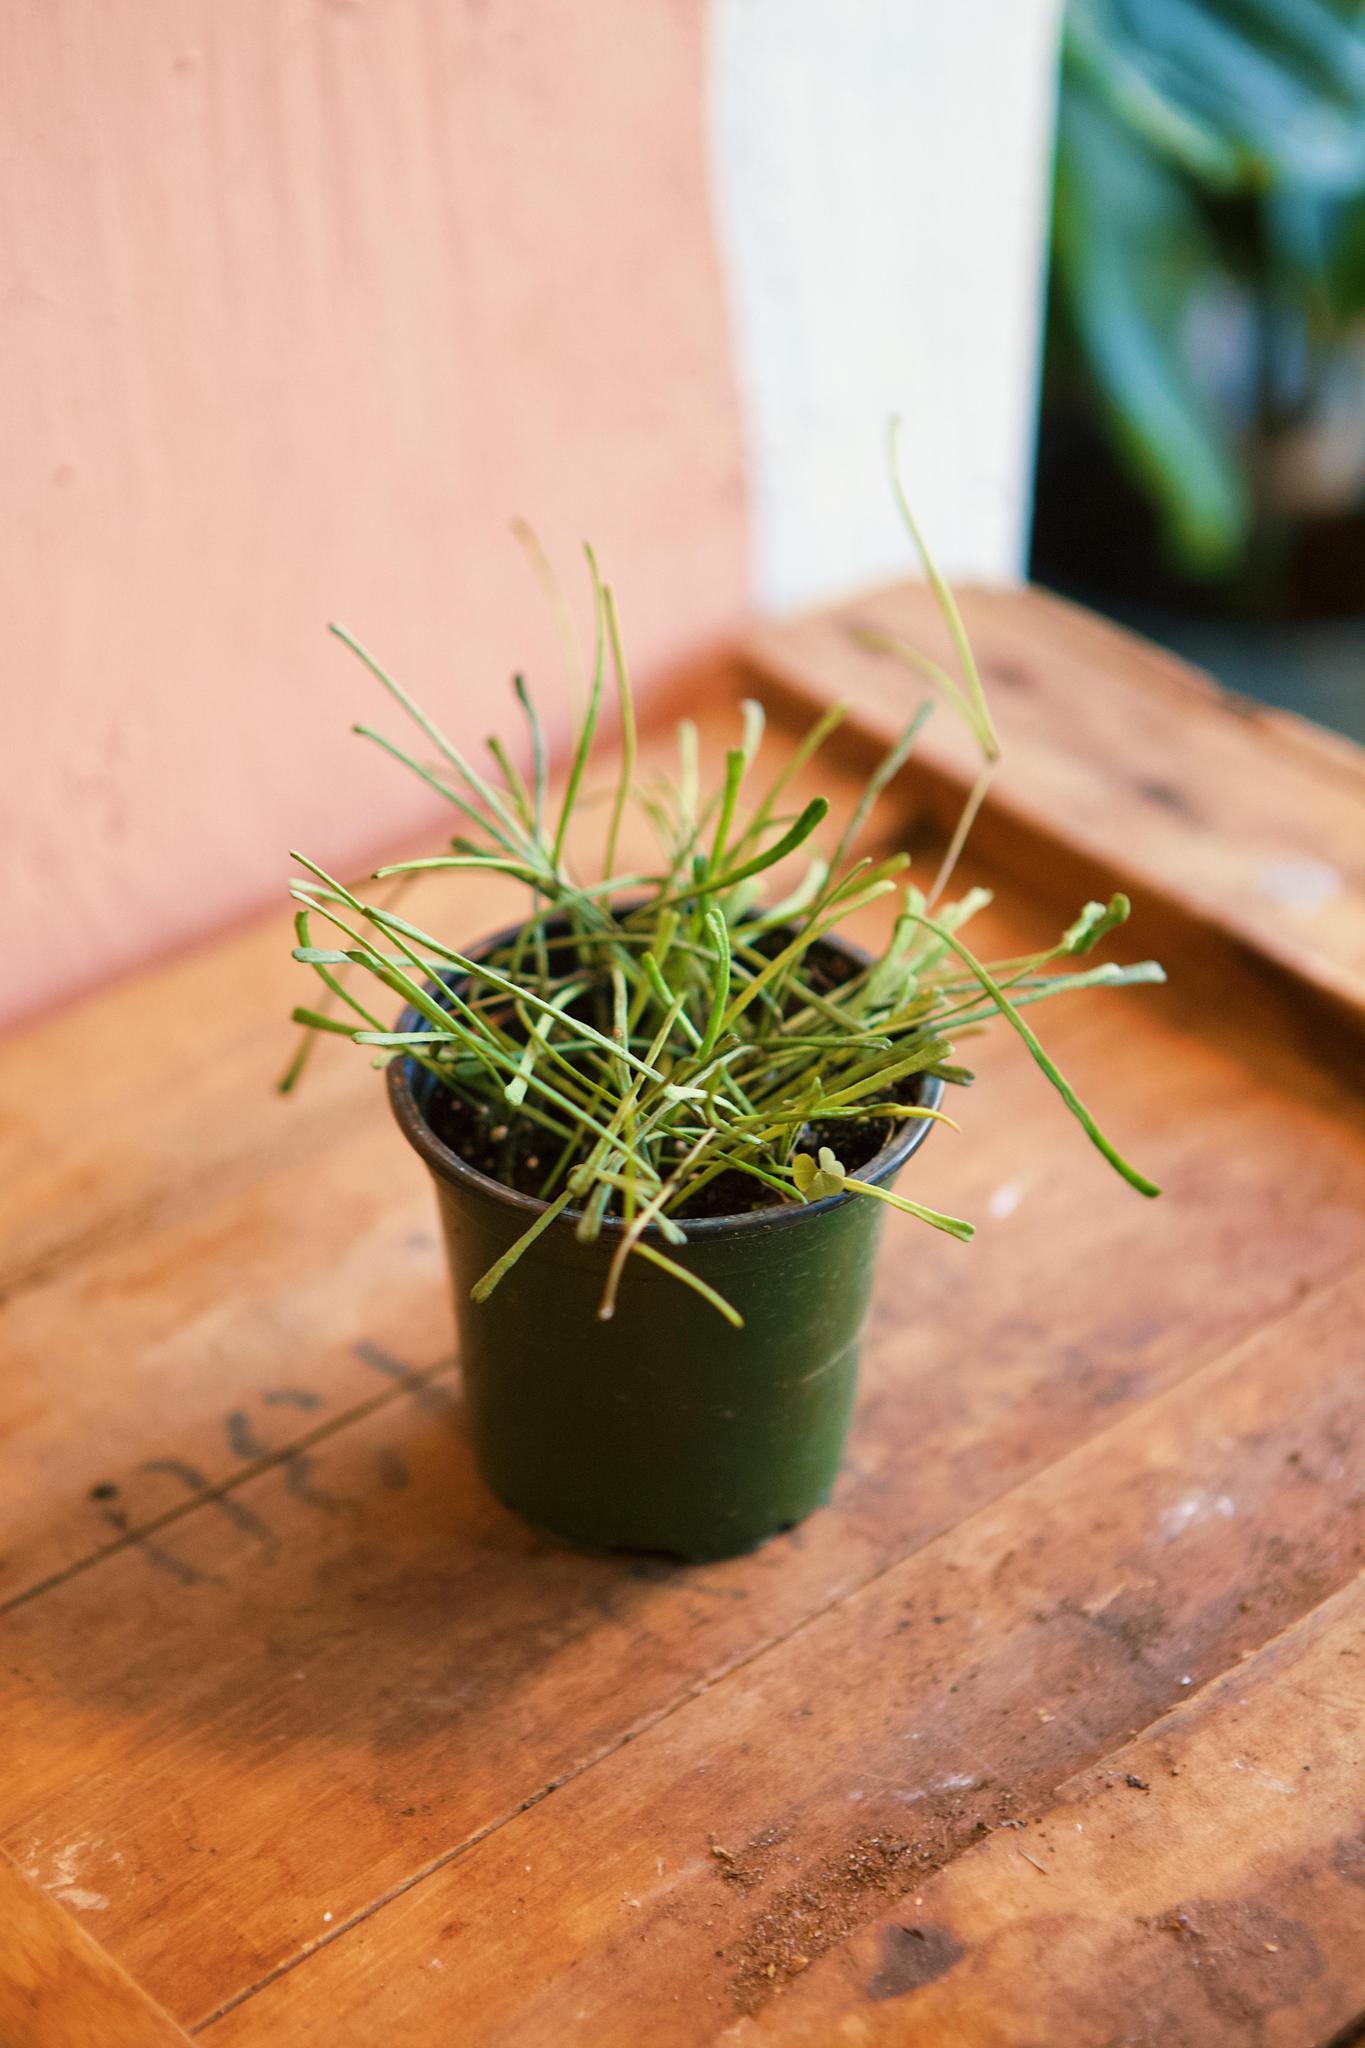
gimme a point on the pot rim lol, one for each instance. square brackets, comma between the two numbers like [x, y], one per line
[447, 1165]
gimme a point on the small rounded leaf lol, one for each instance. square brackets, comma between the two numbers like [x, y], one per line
[817, 1180]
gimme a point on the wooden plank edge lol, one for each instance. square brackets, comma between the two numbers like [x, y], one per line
[1011, 829]
[59, 1988]
[1321, 748]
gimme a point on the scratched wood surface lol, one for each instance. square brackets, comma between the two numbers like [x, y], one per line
[1200, 1883]
[319, 1744]
[59, 1985]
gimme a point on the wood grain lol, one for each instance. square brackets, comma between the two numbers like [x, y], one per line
[1204, 1887]
[688, 1879]
[58, 1989]
[228, 1333]
[181, 1097]
[440, 1645]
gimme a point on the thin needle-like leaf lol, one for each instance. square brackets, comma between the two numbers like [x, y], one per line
[1068, 1094]
[889, 766]
[589, 725]
[499, 1270]
[795, 835]
[694, 1033]
[544, 573]
[982, 722]
[626, 703]
[479, 784]
[692, 1280]
[976, 796]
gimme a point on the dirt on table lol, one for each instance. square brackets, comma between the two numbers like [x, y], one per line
[839, 1893]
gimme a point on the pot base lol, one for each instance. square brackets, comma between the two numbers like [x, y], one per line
[708, 1549]
[643, 1552]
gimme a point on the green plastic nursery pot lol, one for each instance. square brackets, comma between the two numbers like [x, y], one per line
[664, 1429]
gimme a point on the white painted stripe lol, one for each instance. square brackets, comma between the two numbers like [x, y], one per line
[881, 171]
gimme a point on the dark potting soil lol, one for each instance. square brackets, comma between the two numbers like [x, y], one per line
[519, 1154]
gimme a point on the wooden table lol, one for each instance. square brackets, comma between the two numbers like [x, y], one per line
[1050, 1730]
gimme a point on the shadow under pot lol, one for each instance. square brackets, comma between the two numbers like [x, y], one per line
[664, 1429]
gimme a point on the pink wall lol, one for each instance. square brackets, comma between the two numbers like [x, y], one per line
[302, 298]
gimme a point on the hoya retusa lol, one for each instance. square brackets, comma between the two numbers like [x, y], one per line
[646, 1035]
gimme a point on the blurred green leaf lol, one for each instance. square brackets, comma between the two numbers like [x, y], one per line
[1133, 255]
[1254, 91]
[1209, 234]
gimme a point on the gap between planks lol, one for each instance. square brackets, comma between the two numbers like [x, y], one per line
[404, 1381]
[59, 1988]
[1086, 1447]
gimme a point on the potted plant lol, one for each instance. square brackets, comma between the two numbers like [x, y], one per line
[663, 1114]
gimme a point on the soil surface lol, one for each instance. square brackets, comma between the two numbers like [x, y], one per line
[519, 1154]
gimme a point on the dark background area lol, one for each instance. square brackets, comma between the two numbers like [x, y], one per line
[1201, 460]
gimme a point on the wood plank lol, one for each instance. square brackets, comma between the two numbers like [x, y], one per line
[1203, 1887]
[114, 1113]
[692, 1876]
[183, 1655]
[454, 1666]
[171, 1667]
[1243, 818]
[149, 1372]
[58, 1988]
